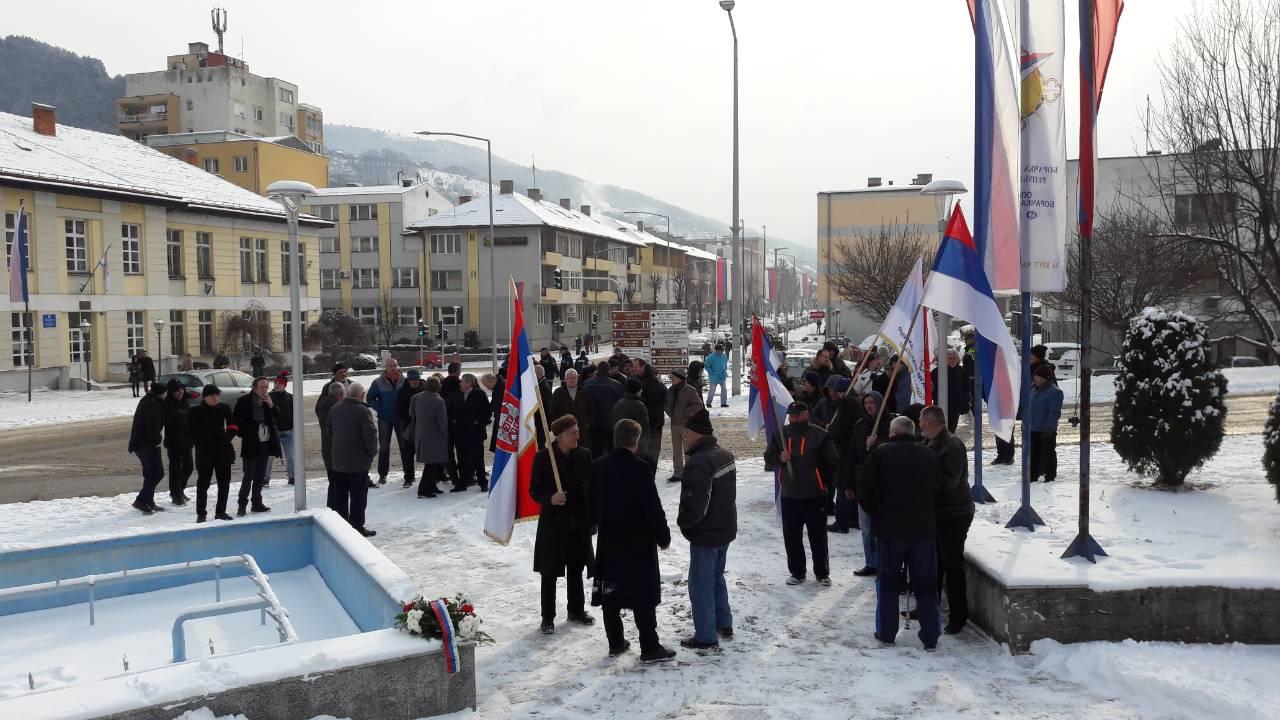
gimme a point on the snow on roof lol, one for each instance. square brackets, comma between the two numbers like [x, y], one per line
[517, 210]
[368, 190]
[77, 159]
[650, 239]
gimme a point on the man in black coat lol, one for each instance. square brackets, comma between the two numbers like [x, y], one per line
[604, 391]
[331, 394]
[148, 368]
[563, 543]
[255, 415]
[177, 440]
[897, 486]
[654, 395]
[468, 417]
[212, 429]
[413, 384]
[959, 389]
[450, 386]
[549, 366]
[632, 528]
[144, 442]
[631, 407]
[807, 462]
[571, 399]
[954, 514]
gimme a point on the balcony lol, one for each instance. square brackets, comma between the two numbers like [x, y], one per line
[552, 258]
[147, 117]
[635, 267]
[552, 294]
[601, 264]
[603, 297]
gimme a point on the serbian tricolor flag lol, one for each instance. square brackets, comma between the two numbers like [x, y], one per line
[1099, 20]
[958, 286]
[769, 398]
[516, 438]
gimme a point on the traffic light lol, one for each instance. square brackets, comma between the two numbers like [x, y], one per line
[556, 279]
[595, 317]
[559, 326]
[446, 333]
[440, 331]
[422, 329]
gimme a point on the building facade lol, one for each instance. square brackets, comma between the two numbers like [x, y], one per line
[121, 236]
[252, 163]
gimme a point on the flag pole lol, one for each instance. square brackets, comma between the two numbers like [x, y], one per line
[28, 341]
[978, 491]
[902, 351]
[1025, 516]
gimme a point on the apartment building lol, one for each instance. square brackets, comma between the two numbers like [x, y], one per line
[253, 163]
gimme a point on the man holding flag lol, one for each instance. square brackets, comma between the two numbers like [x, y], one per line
[768, 399]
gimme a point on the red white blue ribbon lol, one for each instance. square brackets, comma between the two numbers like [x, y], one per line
[452, 660]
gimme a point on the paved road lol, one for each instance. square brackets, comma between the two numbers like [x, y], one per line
[89, 458]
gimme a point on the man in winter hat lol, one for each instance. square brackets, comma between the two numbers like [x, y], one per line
[708, 519]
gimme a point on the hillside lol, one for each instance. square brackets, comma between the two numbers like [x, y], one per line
[78, 86]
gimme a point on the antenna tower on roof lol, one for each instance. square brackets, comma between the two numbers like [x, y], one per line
[219, 17]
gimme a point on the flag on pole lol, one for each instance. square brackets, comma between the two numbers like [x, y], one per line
[897, 323]
[997, 144]
[18, 261]
[516, 441]
[958, 286]
[1044, 147]
[768, 398]
[722, 279]
[1095, 56]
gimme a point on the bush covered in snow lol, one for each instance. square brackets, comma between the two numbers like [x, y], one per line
[1170, 405]
[1271, 443]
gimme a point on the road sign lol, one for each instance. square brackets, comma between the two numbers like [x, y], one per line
[660, 337]
[817, 314]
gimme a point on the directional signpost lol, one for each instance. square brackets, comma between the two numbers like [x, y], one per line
[660, 337]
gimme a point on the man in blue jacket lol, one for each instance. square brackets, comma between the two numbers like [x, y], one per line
[1042, 420]
[382, 398]
[717, 367]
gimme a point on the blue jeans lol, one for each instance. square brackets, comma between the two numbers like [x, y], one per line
[711, 393]
[152, 474]
[921, 560]
[286, 443]
[708, 593]
[869, 555]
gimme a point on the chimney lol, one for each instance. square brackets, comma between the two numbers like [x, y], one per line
[873, 182]
[640, 225]
[586, 210]
[890, 182]
[464, 199]
[44, 119]
[922, 179]
[534, 194]
[506, 187]
[566, 203]
[406, 183]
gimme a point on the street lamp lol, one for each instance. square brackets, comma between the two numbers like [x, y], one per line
[493, 248]
[942, 192]
[736, 357]
[291, 194]
[158, 324]
[84, 349]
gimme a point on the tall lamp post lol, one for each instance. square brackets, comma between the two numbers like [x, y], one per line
[85, 325]
[736, 302]
[493, 248]
[158, 324]
[668, 239]
[291, 194]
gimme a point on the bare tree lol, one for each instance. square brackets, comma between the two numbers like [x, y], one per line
[869, 268]
[655, 284]
[679, 285]
[246, 330]
[335, 331]
[1221, 126]
[387, 317]
[631, 293]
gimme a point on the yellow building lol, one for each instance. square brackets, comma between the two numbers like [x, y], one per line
[253, 163]
[121, 236]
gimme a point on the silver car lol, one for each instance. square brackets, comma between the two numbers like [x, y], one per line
[232, 383]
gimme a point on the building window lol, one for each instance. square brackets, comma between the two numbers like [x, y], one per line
[135, 336]
[449, 314]
[211, 165]
[79, 350]
[326, 212]
[22, 340]
[286, 95]
[446, 279]
[568, 245]
[260, 258]
[286, 119]
[446, 244]
[204, 255]
[366, 315]
[406, 277]
[178, 332]
[173, 252]
[191, 105]
[406, 317]
[10, 235]
[288, 331]
[246, 260]
[242, 163]
[204, 326]
[286, 265]
[544, 314]
[365, 278]
[1204, 208]
[131, 249]
[328, 279]
[257, 113]
[77, 246]
[572, 280]
[330, 244]
[364, 243]
[368, 211]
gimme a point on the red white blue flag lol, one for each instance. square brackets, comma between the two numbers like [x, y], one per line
[722, 279]
[516, 439]
[1099, 21]
[769, 398]
[18, 261]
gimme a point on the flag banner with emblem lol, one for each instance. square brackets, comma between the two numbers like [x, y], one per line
[515, 442]
[1044, 148]
[18, 261]
[768, 399]
[910, 351]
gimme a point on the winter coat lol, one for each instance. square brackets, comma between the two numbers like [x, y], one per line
[959, 389]
[654, 396]
[212, 429]
[550, 368]
[717, 367]
[566, 364]
[824, 374]
[1045, 409]
[954, 497]
[840, 367]
[148, 367]
[708, 495]
[683, 401]
[450, 385]
[605, 391]
[898, 488]
[404, 399]
[814, 460]
[564, 531]
[429, 427]
[848, 412]
[632, 527]
[250, 445]
[355, 436]
[135, 372]
[579, 406]
[695, 378]
[630, 407]
[855, 451]
[177, 432]
[382, 396]
[468, 416]
[283, 400]
[148, 424]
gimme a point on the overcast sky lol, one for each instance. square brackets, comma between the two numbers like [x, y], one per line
[636, 93]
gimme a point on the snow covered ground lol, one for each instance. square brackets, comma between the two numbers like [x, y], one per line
[800, 652]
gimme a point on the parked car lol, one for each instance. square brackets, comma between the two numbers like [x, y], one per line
[232, 383]
[1065, 357]
[1112, 367]
[797, 362]
[1236, 361]
[431, 359]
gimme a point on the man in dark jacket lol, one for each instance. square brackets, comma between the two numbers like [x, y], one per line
[654, 395]
[148, 367]
[413, 385]
[282, 400]
[468, 417]
[571, 399]
[144, 442]
[838, 365]
[212, 429]
[631, 407]
[566, 362]
[807, 462]
[954, 513]
[1041, 418]
[330, 395]
[708, 519]
[177, 440]
[863, 438]
[355, 445]
[549, 367]
[632, 528]
[563, 543]
[259, 442]
[959, 389]
[450, 386]
[897, 486]
[848, 413]
[604, 391]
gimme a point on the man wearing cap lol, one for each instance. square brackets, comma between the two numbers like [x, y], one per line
[413, 385]
[177, 439]
[562, 547]
[631, 407]
[654, 395]
[212, 429]
[807, 462]
[717, 366]
[283, 401]
[682, 403]
[1043, 414]
[708, 519]
[382, 398]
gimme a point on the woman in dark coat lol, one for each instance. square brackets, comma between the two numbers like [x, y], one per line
[563, 544]
[429, 428]
[255, 415]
